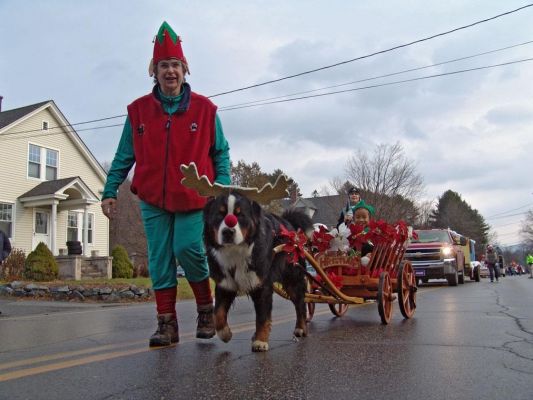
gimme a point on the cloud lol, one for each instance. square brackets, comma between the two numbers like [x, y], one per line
[510, 115]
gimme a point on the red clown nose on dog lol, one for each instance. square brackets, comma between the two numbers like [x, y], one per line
[230, 220]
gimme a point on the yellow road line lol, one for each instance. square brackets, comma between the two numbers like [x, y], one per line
[184, 338]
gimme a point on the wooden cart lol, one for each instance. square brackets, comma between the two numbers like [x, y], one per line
[340, 280]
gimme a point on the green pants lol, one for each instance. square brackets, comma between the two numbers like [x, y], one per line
[174, 236]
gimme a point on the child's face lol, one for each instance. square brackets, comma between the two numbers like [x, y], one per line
[362, 216]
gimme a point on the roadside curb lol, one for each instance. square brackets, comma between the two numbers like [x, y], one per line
[108, 294]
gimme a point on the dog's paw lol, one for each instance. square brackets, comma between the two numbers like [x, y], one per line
[259, 346]
[225, 334]
[298, 332]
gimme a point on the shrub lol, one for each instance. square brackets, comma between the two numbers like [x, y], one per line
[122, 266]
[13, 266]
[41, 265]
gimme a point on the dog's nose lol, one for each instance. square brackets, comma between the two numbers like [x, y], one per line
[228, 235]
[230, 220]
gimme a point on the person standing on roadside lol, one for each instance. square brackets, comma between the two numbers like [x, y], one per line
[529, 262]
[168, 127]
[491, 259]
[6, 248]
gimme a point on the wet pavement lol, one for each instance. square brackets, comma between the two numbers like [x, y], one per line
[473, 341]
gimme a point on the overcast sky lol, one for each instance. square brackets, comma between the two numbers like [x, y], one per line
[469, 132]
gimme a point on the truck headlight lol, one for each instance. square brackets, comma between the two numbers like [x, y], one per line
[447, 251]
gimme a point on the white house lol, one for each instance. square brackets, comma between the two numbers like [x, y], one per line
[50, 183]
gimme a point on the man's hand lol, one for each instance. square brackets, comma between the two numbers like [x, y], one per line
[109, 207]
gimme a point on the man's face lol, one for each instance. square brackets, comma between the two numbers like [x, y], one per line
[169, 74]
[355, 198]
[362, 216]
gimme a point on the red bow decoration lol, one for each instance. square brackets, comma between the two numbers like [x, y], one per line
[294, 244]
[333, 277]
[359, 234]
[322, 239]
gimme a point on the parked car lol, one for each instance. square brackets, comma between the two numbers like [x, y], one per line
[180, 272]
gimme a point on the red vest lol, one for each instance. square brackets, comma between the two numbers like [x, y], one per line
[162, 143]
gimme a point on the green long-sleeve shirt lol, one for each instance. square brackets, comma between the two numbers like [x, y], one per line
[125, 157]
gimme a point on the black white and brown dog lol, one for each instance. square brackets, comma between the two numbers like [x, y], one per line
[240, 237]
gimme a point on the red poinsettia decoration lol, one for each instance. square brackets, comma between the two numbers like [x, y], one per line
[294, 244]
[322, 239]
[359, 234]
[333, 277]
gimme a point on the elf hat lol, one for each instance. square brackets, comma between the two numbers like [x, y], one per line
[362, 204]
[167, 45]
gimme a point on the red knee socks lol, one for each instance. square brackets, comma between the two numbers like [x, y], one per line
[165, 300]
[202, 292]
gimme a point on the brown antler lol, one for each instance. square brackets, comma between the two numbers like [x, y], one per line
[200, 183]
[268, 192]
[204, 187]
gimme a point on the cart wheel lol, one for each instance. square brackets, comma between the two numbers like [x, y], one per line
[338, 309]
[476, 274]
[310, 305]
[407, 290]
[385, 298]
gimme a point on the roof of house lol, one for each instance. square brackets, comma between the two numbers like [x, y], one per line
[327, 208]
[48, 187]
[10, 116]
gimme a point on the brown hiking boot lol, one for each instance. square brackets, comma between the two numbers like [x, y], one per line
[206, 322]
[167, 331]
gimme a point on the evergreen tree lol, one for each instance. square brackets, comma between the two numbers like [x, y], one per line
[455, 213]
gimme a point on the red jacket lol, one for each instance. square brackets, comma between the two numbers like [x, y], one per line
[162, 142]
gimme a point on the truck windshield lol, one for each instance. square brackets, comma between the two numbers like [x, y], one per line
[431, 236]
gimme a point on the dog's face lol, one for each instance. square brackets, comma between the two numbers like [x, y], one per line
[231, 219]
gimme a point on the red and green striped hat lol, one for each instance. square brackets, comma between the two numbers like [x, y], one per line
[167, 44]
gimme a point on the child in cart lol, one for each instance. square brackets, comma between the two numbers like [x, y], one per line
[362, 214]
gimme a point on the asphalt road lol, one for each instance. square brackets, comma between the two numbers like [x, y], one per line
[473, 341]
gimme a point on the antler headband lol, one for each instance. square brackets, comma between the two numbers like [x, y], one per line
[204, 187]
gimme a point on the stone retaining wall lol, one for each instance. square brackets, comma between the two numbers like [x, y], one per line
[77, 293]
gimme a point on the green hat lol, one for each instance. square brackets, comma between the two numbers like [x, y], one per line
[362, 204]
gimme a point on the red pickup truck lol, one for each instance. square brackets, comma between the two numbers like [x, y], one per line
[437, 254]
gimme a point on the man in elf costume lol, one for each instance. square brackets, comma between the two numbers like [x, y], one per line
[166, 128]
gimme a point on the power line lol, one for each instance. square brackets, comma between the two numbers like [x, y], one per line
[507, 216]
[387, 75]
[501, 226]
[234, 107]
[372, 54]
[508, 233]
[59, 133]
[514, 209]
[67, 125]
[288, 95]
[230, 108]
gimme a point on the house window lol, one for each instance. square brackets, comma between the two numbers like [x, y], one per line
[34, 161]
[75, 231]
[6, 218]
[42, 162]
[45, 125]
[72, 226]
[90, 229]
[51, 164]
